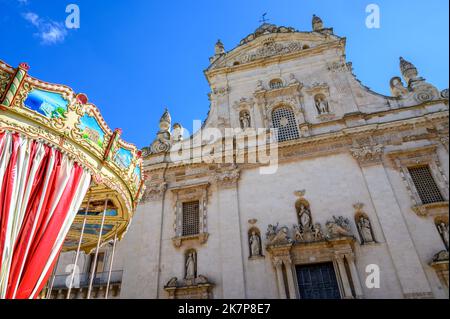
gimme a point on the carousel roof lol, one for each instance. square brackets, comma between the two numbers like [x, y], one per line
[67, 121]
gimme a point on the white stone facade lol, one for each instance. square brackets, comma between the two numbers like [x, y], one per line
[351, 159]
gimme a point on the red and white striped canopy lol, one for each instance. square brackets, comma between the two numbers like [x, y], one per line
[41, 191]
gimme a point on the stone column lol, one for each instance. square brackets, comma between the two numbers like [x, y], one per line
[233, 276]
[140, 250]
[399, 242]
[347, 290]
[355, 277]
[280, 280]
[290, 278]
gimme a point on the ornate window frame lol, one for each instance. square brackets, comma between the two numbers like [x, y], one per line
[320, 89]
[184, 194]
[245, 105]
[292, 109]
[420, 156]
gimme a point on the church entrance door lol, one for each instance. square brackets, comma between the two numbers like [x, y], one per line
[317, 281]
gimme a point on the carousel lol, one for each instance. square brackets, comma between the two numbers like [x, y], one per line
[67, 181]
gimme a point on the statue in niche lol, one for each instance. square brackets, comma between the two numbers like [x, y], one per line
[322, 104]
[191, 266]
[443, 230]
[245, 120]
[365, 230]
[255, 244]
[304, 217]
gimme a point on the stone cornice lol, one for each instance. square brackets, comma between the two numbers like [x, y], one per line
[343, 136]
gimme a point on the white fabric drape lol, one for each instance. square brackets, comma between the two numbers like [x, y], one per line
[41, 191]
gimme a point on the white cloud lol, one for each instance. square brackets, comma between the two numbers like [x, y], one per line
[53, 33]
[50, 32]
[32, 17]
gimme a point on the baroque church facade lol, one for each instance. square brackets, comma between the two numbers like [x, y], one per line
[357, 206]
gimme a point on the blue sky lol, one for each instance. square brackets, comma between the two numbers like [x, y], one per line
[133, 58]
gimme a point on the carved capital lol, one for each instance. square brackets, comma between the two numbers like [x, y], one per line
[368, 155]
[154, 192]
[227, 178]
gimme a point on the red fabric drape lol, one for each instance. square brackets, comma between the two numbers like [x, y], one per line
[47, 194]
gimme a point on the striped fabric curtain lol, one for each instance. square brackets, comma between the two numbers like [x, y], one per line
[41, 191]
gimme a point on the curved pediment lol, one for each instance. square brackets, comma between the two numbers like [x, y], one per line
[272, 42]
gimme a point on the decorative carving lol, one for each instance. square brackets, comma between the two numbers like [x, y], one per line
[196, 288]
[441, 256]
[266, 28]
[221, 91]
[422, 91]
[227, 177]
[278, 236]
[154, 192]
[367, 155]
[440, 265]
[317, 23]
[292, 79]
[270, 48]
[397, 87]
[321, 104]
[442, 227]
[444, 94]
[338, 227]
[309, 234]
[409, 71]
[163, 141]
[172, 282]
[336, 67]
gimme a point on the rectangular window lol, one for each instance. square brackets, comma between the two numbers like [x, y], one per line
[100, 262]
[191, 218]
[425, 185]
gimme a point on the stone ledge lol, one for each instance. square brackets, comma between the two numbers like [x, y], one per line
[433, 209]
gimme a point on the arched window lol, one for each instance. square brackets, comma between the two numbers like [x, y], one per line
[276, 84]
[283, 119]
[305, 47]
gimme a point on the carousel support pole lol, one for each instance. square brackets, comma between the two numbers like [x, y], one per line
[15, 84]
[52, 281]
[80, 241]
[94, 268]
[111, 265]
